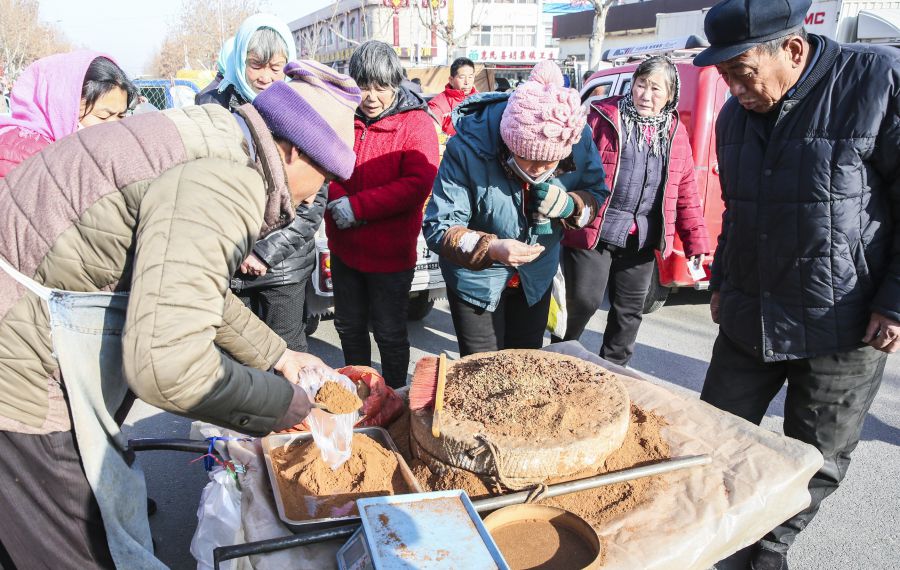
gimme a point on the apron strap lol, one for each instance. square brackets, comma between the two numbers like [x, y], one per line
[30, 284]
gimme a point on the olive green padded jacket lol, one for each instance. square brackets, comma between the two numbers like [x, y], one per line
[166, 206]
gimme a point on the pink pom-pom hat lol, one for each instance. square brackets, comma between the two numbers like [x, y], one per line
[543, 119]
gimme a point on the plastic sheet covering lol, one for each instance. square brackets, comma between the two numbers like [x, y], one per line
[333, 433]
[757, 480]
[218, 519]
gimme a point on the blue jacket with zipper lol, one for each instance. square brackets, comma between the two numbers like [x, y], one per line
[476, 190]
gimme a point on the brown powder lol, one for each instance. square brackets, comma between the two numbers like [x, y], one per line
[541, 545]
[643, 444]
[310, 489]
[338, 399]
[399, 432]
[451, 478]
[532, 394]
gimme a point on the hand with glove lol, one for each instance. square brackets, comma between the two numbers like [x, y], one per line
[342, 213]
[551, 201]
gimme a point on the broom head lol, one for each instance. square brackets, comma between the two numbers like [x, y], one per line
[424, 384]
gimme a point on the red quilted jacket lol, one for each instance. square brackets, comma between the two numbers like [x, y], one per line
[682, 211]
[396, 163]
[16, 145]
[443, 103]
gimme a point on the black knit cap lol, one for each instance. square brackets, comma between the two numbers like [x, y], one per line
[735, 26]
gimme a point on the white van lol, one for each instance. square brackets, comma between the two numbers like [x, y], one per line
[427, 285]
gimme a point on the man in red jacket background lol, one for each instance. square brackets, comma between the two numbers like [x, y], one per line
[374, 218]
[460, 86]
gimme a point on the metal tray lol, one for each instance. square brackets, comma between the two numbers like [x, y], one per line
[274, 441]
[411, 531]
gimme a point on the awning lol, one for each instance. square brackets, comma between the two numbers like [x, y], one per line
[878, 25]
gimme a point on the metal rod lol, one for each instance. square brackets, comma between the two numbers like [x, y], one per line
[168, 444]
[223, 553]
[492, 503]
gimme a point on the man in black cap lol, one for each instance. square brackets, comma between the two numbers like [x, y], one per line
[806, 278]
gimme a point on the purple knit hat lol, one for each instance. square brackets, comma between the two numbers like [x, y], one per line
[543, 119]
[315, 112]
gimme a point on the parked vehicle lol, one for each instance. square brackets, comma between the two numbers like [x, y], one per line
[167, 93]
[427, 285]
[703, 93]
[865, 21]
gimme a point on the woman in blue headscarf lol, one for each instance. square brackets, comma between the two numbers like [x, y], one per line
[261, 48]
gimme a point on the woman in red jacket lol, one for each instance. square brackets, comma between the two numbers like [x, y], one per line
[374, 218]
[460, 86]
[57, 95]
[650, 171]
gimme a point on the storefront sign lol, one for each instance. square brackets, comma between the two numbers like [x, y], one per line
[402, 52]
[499, 54]
[332, 56]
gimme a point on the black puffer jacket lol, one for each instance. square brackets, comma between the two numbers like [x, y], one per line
[810, 242]
[228, 97]
[289, 252]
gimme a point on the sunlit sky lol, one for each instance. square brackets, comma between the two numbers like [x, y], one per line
[131, 32]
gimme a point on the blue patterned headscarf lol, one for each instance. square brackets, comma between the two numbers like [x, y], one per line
[236, 69]
[225, 56]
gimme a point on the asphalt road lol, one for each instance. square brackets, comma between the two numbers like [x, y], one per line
[857, 528]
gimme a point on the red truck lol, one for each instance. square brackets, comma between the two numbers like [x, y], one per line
[703, 92]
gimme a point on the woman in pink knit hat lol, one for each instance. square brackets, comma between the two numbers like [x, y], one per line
[521, 168]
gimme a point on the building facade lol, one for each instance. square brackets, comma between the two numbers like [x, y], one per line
[629, 23]
[635, 22]
[503, 34]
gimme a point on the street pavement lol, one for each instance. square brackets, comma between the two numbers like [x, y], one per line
[857, 528]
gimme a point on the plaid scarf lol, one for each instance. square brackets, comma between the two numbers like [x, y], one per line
[654, 131]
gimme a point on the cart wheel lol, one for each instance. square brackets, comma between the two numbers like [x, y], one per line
[312, 323]
[419, 306]
[657, 294]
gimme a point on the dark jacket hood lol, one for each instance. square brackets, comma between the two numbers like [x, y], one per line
[477, 122]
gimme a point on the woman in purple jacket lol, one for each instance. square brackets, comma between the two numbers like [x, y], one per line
[650, 172]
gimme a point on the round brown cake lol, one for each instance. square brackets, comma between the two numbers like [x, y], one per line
[545, 414]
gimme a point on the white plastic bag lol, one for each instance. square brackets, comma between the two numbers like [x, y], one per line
[333, 433]
[556, 319]
[218, 519]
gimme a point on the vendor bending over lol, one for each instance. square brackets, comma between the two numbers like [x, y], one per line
[120, 241]
[520, 168]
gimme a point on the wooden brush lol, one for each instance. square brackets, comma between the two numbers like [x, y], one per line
[439, 396]
[424, 383]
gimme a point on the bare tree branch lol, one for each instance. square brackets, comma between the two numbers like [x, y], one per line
[24, 38]
[431, 17]
[334, 29]
[196, 36]
[601, 9]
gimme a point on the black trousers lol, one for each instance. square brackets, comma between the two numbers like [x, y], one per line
[513, 324]
[383, 300]
[626, 272]
[50, 516]
[826, 404]
[281, 307]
